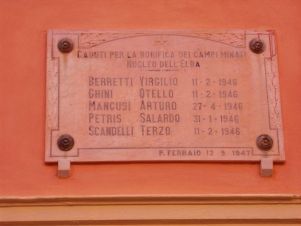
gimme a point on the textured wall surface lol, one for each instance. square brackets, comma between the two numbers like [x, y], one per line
[23, 26]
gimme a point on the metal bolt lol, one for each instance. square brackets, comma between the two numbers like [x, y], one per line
[264, 142]
[257, 46]
[65, 142]
[65, 45]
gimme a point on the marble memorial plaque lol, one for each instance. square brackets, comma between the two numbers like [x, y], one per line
[162, 95]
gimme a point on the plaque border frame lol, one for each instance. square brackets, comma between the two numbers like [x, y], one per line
[271, 110]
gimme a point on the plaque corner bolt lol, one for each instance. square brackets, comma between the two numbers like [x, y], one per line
[65, 142]
[257, 46]
[264, 142]
[65, 45]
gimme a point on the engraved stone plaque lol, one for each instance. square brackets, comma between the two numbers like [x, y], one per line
[162, 95]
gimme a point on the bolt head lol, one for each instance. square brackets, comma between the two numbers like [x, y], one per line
[264, 142]
[65, 45]
[257, 46]
[65, 142]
